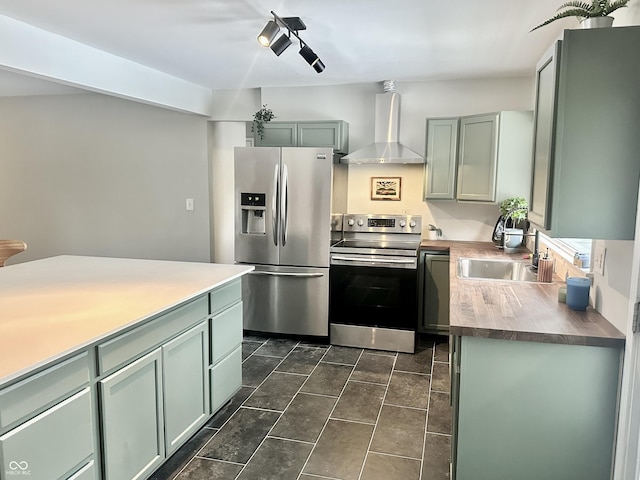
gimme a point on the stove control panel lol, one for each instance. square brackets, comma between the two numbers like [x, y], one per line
[383, 223]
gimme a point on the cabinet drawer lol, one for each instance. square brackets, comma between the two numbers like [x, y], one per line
[225, 296]
[226, 332]
[88, 472]
[226, 379]
[121, 350]
[35, 446]
[43, 389]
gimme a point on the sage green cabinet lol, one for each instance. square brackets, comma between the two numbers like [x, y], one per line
[30, 449]
[433, 287]
[151, 407]
[278, 134]
[487, 159]
[132, 419]
[226, 355]
[587, 133]
[442, 156]
[531, 410]
[331, 134]
[185, 362]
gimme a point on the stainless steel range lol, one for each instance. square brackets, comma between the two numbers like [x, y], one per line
[372, 282]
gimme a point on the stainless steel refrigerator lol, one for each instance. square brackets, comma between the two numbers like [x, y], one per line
[285, 198]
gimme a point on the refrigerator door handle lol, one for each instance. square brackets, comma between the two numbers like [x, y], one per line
[274, 204]
[288, 274]
[284, 204]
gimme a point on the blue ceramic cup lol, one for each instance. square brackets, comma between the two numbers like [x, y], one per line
[578, 293]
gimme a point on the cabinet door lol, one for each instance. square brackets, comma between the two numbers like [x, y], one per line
[543, 137]
[435, 314]
[278, 134]
[442, 153]
[322, 134]
[186, 385]
[34, 448]
[531, 410]
[226, 378]
[132, 416]
[478, 159]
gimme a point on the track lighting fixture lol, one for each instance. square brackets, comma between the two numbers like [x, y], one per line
[293, 26]
[281, 44]
[311, 58]
[268, 33]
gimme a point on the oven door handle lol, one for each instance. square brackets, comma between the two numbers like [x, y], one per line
[372, 260]
[288, 274]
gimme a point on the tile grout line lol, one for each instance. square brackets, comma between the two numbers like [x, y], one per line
[373, 434]
[353, 367]
[426, 420]
[195, 455]
[285, 409]
[231, 416]
[281, 413]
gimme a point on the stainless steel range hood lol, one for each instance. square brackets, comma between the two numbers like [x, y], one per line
[386, 148]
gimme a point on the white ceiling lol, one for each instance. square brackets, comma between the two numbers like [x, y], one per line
[213, 42]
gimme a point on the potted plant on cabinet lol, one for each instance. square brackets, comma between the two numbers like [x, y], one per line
[594, 14]
[262, 116]
[509, 231]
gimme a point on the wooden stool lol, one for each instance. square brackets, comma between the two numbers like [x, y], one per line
[9, 248]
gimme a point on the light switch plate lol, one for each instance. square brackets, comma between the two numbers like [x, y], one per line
[599, 254]
[189, 204]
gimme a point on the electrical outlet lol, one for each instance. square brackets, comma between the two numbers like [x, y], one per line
[189, 204]
[599, 254]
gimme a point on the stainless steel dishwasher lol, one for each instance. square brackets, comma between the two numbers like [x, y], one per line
[433, 291]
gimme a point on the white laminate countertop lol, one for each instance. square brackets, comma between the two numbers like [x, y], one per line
[55, 306]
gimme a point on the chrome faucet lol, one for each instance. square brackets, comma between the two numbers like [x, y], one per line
[536, 246]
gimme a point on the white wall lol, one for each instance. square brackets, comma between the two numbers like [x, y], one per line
[224, 136]
[95, 175]
[355, 104]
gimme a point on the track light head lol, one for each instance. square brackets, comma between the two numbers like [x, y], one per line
[281, 44]
[311, 58]
[268, 33]
[293, 25]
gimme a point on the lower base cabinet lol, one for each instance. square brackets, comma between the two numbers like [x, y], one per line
[29, 449]
[152, 406]
[226, 378]
[132, 413]
[528, 411]
[186, 385]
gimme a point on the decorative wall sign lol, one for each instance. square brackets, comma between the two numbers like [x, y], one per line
[385, 188]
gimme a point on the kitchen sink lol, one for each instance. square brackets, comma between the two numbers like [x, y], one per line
[496, 269]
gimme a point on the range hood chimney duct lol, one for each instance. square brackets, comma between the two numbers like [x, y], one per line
[386, 148]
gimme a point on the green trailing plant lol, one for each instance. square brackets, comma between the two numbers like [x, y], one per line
[596, 8]
[262, 116]
[433, 228]
[514, 208]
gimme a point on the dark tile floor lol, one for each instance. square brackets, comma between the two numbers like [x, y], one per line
[319, 412]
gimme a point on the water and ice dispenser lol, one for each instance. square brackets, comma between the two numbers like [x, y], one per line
[254, 211]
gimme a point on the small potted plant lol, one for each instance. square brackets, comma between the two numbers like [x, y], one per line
[594, 14]
[434, 232]
[262, 116]
[514, 211]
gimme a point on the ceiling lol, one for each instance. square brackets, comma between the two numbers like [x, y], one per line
[213, 42]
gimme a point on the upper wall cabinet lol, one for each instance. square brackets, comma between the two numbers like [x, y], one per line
[479, 158]
[586, 168]
[332, 134]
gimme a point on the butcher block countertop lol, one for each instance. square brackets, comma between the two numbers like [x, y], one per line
[517, 310]
[55, 306]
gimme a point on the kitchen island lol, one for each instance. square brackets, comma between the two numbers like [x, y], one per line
[534, 384]
[127, 358]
